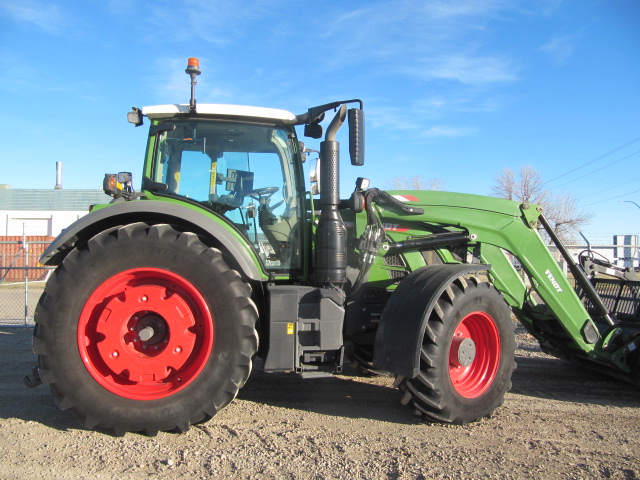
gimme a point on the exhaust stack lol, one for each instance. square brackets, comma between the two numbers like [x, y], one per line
[58, 176]
[331, 234]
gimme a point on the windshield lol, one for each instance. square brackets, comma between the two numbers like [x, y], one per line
[245, 172]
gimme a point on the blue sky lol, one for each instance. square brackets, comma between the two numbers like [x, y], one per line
[454, 90]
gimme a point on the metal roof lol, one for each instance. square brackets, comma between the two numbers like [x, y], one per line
[163, 111]
[51, 200]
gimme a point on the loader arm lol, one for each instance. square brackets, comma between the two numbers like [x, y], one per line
[500, 227]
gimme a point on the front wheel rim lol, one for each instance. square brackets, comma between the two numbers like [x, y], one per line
[472, 374]
[145, 333]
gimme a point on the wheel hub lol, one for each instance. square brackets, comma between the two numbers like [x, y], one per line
[463, 351]
[474, 354]
[151, 328]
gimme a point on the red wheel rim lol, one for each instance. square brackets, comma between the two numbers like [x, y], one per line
[145, 333]
[472, 372]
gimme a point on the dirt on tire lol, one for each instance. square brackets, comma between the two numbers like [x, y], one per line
[558, 421]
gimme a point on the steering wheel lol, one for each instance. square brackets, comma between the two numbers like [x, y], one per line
[259, 192]
[263, 195]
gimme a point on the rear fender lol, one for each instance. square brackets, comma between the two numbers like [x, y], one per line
[155, 212]
[404, 318]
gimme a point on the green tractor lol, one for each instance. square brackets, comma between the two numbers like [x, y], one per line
[161, 300]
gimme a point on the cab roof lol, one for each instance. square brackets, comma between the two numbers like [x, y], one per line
[272, 114]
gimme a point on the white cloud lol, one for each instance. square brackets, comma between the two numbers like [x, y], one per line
[411, 120]
[44, 15]
[443, 40]
[218, 22]
[120, 7]
[448, 131]
[448, 8]
[459, 101]
[559, 48]
[465, 68]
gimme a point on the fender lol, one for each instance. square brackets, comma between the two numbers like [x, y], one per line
[404, 318]
[153, 211]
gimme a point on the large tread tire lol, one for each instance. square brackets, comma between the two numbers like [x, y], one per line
[446, 390]
[213, 332]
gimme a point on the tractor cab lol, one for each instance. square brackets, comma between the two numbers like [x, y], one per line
[245, 169]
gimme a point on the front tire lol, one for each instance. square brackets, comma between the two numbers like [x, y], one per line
[467, 355]
[145, 329]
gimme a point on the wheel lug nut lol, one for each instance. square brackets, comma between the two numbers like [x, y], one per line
[178, 350]
[115, 354]
[144, 298]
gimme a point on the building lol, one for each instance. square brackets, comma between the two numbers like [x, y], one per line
[626, 251]
[44, 213]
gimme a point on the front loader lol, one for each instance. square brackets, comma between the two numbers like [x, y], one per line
[161, 300]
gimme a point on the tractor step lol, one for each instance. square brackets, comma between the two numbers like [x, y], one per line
[305, 331]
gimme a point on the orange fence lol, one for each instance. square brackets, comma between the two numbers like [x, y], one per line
[19, 258]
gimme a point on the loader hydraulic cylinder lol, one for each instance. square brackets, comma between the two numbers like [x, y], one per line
[578, 273]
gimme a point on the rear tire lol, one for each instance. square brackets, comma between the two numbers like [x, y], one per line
[145, 329]
[467, 355]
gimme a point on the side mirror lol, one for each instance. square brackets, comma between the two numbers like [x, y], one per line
[356, 136]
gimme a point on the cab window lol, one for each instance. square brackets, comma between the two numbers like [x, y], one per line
[245, 172]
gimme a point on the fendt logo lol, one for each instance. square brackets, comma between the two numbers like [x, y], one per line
[553, 281]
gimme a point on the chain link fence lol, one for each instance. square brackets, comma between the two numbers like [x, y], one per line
[22, 280]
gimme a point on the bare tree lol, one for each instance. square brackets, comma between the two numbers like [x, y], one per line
[505, 186]
[565, 217]
[527, 186]
[415, 183]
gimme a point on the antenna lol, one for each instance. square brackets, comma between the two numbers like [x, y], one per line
[193, 70]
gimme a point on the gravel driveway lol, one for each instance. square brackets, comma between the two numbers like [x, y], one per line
[558, 422]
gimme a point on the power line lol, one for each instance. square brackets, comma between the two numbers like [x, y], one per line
[610, 188]
[611, 198]
[631, 142]
[598, 169]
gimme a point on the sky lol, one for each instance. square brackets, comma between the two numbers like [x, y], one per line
[453, 90]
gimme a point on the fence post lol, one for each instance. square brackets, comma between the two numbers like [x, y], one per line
[26, 281]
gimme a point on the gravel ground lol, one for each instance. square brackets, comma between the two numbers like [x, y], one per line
[558, 422]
